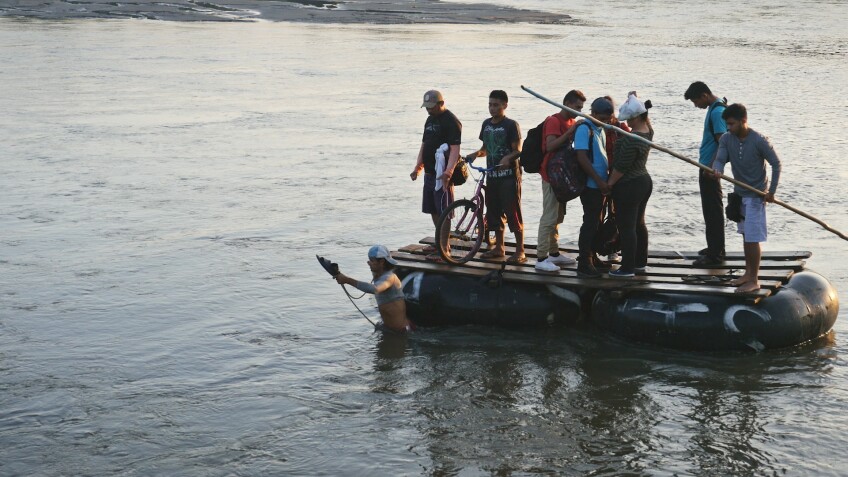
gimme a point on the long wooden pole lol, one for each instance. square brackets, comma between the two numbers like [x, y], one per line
[684, 158]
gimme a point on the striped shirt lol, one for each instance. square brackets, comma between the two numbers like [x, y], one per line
[631, 156]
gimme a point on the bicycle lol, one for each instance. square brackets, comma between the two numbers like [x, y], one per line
[462, 226]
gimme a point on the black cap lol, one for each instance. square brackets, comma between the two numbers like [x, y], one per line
[602, 106]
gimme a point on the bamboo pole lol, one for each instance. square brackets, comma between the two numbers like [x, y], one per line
[686, 159]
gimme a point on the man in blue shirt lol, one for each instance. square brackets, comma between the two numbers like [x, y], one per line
[711, 195]
[590, 144]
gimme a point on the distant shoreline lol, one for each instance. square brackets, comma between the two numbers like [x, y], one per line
[396, 12]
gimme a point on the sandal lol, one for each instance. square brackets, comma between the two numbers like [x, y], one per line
[435, 258]
[492, 254]
[517, 259]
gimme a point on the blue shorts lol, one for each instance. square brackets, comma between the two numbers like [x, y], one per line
[435, 201]
[753, 225]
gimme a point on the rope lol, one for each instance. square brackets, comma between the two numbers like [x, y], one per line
[357, 308]
[382, 328]
[686, 159]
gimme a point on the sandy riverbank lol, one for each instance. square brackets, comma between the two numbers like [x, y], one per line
[313, 11]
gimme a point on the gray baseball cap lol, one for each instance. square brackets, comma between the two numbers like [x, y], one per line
[432, 98]
[380, 251]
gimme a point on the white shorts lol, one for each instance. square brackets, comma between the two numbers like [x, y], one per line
[753, 226]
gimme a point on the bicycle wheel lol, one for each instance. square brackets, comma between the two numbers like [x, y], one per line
[460, 231]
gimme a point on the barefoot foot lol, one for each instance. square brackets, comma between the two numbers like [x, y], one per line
[749, 287]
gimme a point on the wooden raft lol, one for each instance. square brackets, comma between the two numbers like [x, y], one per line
[668, 271]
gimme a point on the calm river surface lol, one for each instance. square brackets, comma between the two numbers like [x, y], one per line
[165, 187]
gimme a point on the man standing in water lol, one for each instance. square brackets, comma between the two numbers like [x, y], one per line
[441, 127]
[556, 133]
[711, 204]
[748, 151]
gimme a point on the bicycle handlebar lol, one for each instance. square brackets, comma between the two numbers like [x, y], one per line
[480, 169]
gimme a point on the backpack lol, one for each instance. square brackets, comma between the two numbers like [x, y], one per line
[607, 239]
[710, 111]
[566, 177]
[531, 153]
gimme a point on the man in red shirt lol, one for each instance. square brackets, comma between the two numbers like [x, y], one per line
[556, 133]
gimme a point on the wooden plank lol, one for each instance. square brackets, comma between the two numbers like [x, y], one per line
[795, 265]
[713, 279]
[520, 274]
[655, 269]
[728, 264]
[658, 268]
[781, 275]
[628, 285]
[674, 255]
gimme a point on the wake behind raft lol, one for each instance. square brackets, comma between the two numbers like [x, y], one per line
[672, 304]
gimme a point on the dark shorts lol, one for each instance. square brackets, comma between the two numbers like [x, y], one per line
[503, 204]
[435, 201]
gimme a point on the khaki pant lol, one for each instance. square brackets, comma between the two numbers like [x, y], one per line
[553, 213]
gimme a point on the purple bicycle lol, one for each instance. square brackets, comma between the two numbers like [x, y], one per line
[462, 226]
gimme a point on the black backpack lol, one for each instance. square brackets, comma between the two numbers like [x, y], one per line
[607, 239]
[531, 152]
[710, 111]
[566, 177]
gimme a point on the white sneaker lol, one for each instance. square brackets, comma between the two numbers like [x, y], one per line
[546, 266]
[561, 260]
[613, 257]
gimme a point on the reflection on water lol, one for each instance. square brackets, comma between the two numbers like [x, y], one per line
[591, 405]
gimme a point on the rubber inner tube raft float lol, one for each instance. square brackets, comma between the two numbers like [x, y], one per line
[672, 304]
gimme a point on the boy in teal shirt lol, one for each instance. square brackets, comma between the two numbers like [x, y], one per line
[501, 138]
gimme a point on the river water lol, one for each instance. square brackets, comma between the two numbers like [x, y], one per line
[165, 187]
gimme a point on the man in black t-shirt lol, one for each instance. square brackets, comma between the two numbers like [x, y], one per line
[443, 133]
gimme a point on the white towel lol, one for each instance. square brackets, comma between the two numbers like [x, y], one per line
[441, 160]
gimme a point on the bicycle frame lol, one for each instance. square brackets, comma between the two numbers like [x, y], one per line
[470, 223]
[478, 192]
[478, 197]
